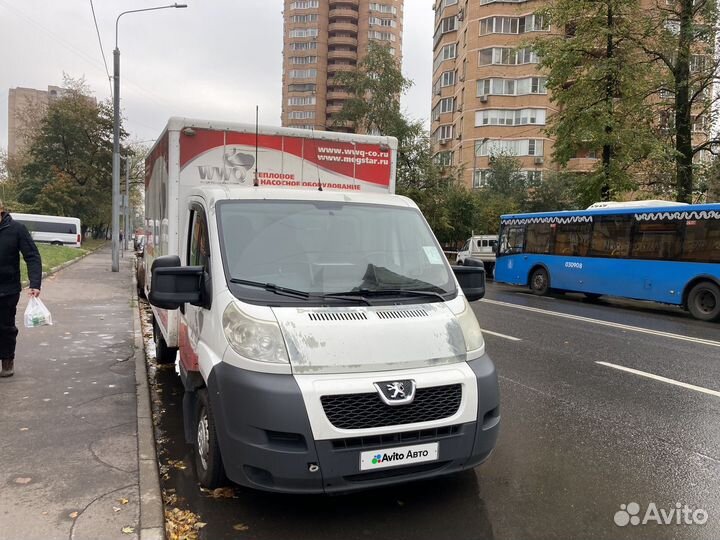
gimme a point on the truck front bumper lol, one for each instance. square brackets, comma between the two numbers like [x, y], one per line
[266, 441]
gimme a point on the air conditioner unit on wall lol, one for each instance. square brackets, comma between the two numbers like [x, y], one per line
[539, 160]
[483, 98]
[438, 92]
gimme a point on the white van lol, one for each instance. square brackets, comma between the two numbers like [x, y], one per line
[55, 230]
[479, 251]
[325, 343]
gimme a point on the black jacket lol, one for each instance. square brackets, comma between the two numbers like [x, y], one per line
[15, 239]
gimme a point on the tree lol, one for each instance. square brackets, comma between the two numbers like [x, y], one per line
[69, 166]
[375, 88]
[679, 38]
[600, 81]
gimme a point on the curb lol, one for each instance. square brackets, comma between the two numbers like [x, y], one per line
[152, 517]
[63, 265]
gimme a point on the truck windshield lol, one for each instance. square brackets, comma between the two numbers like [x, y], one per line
[325, 248]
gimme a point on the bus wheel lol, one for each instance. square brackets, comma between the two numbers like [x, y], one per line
[163, 353]
[208, 462]
[704, 301]
[540, 282]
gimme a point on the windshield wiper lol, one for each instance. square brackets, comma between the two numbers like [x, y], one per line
[271, 287]
[400, 292]
[351, 296]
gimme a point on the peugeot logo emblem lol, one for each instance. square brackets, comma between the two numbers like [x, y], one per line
[396, 392]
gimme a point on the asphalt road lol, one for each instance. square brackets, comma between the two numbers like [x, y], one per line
[578, 440]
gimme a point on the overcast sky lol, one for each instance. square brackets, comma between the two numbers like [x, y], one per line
[216, 60]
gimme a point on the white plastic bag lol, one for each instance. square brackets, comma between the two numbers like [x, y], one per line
[36, 314]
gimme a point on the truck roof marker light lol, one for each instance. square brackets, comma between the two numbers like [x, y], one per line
[188, 132]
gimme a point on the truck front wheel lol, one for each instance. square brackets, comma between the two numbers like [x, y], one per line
[208, 462]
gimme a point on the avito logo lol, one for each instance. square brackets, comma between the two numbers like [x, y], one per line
[397, 456]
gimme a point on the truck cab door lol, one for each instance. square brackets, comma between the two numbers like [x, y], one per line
[192, 317]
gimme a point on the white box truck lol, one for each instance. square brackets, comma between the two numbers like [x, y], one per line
[325, 344]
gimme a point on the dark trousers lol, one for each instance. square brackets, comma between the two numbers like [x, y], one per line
[8, 330]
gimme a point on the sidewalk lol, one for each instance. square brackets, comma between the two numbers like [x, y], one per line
[69, 465]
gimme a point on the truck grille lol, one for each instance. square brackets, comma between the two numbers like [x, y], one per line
[363, 411]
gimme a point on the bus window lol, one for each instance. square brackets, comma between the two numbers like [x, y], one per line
[611, 236]
[572, 239]
[702, 241]
[512, 239]
[538, 237]
[657, 240]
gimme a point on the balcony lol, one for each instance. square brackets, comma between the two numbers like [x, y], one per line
[337, 68]
[333, 109]
[337, 94]
[343, 40]
[344, 4]
[347, 27]
[343, 13]
[342, 55]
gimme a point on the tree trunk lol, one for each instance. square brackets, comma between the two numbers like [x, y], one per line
[683, 112]
[608, 149]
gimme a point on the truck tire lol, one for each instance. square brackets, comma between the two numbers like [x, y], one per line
[540, 282]
[208, 462]
[163, 353]
[704, 301]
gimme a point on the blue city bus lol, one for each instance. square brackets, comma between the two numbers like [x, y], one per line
[664, 252]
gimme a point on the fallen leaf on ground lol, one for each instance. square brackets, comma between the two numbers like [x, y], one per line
[220, 493]
[182, 524]
[128, 530]
[24, 429]
[23, 480]
[240, 527]
[123, 501]
[116, 508]
[199, 525]
[73, 515]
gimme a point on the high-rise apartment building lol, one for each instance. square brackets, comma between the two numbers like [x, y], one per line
[24, 106]
[488, 95]
[326, 37]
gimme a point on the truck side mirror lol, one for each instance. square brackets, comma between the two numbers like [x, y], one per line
[471, 280]
[173, 285]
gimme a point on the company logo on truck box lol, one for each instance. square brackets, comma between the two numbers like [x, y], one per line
[215, 157]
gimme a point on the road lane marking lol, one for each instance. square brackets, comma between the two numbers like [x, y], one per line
[662, 379]
[511, 338]
[629, 328]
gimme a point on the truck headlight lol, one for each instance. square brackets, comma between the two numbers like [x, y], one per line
[254, 339]
[470, 328]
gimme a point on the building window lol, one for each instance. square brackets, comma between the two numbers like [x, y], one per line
[303, 59]
[389, 23]
[444, 132]
[447, 78]
[381, 36]
[303, 73]
[304, 46]
[517, 147]
[383, 8]
[307, 4]
[445, 105]
[310, 17]
[304, 32]
[301, 115]
[302, 87]
[507, 56]
[444, 159]
[480, 178]
[512, 87]
[448, 52]
[510, 117]
[302, 100]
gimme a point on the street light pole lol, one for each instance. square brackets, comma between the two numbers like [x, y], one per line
[116, 138]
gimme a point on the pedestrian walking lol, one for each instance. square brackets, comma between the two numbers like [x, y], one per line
[14, 239]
